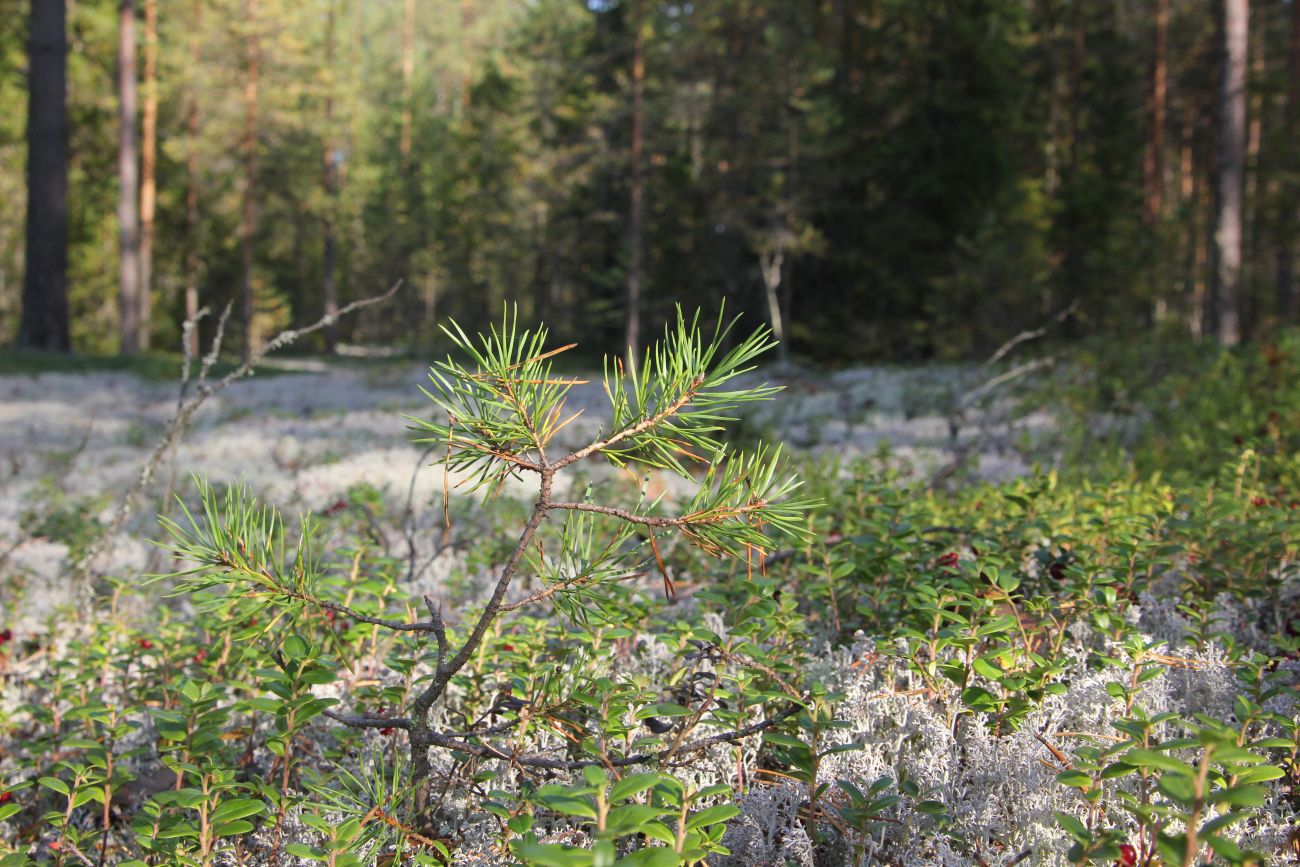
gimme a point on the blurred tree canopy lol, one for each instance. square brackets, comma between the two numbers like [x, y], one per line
[904, 179]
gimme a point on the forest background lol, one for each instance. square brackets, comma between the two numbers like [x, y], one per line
[878, 179]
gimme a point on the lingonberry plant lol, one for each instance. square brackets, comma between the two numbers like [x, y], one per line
[498, 408]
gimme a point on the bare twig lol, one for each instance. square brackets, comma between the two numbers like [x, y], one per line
[961, 452]
[446, 741]
[365, 721]
[1033, 334]
[187, 407]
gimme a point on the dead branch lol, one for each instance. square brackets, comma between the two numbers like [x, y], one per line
[188, 406]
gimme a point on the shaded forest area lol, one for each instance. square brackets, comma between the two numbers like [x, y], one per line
[903, 179]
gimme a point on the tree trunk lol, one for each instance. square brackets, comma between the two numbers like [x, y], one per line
[1253, 217]
[44, 320]
[1154, 162]
[1078, 57]
[770, 264]
[192, 188]
[148, 171]
[636, 232]
[1286, 294]
[408, 73]
[128, 180]
[246, 222]
[330, 179]
[1232, 144]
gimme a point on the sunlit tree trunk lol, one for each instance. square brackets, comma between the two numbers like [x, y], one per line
[1232, 144]
[44, 320]
[128, 179]
[1253, 216]
[249, 147]
[148, 170]
[330, 169]
[636, 232]
[770, 264]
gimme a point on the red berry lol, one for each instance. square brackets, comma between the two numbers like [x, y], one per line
[6, 797]
[201, 655]
[507, 647]
[1057, 571]
[6, 635]
[1128, 856]
[1259, 502]
[146, 644]
[386, 731]
[949, 560]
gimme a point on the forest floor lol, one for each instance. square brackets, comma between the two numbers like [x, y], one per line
[72, 443]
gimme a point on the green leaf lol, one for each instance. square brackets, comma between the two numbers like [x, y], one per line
[1074, 779]
[1240, 796]
[1152, 759]
[55, 784]
[233, 828]
[712, 816]
[1073, 827]
[655, 856]
[550, 854]
[301, 850]
[237, 808]
[633, 784]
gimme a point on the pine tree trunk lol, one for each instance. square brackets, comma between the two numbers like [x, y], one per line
[44, 319]
[128, 179]
[1286, 294]
[1078, 57]
[192, 189]
[1232, 144]
[148, 163]
[636, 232]
[1252, 203]
[1154, 162]
[247, 216]
[330, 168]
[1159, 108]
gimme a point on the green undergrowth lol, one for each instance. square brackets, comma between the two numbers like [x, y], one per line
[631, 708]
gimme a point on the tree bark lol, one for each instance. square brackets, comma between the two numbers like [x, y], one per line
[770, 264]
[247, 223]
[1286, 294]
[636, 232]
[1232, 144]
[1078, 57]
[1154, 162]
[148, 170]
[44, 320]
[330, 169]
[192, 189]
[128, 179]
